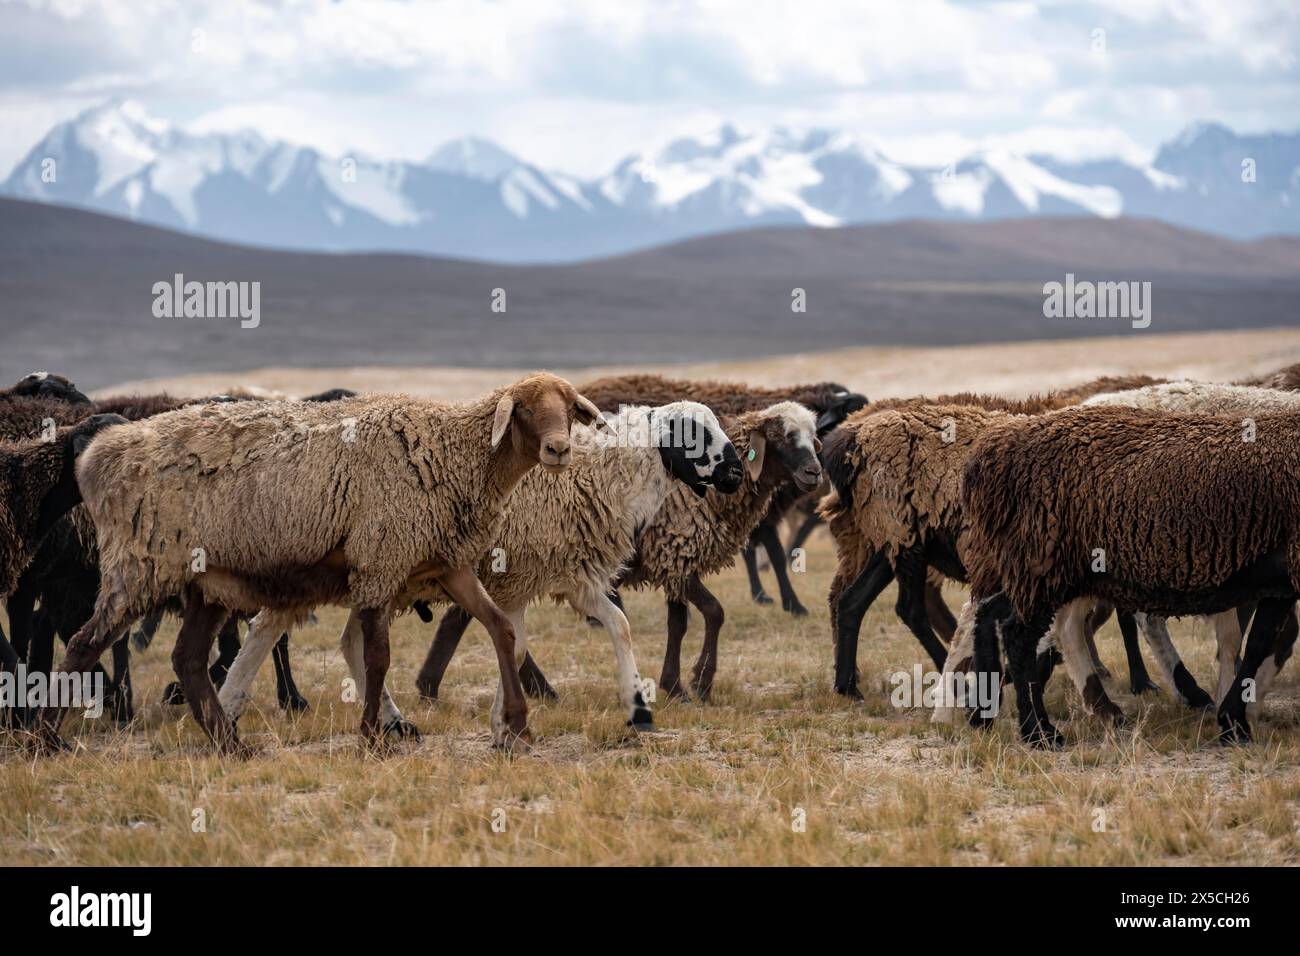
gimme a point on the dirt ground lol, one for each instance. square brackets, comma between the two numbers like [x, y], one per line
[775, 769]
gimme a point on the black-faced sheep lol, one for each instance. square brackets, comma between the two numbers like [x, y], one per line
[289, 505]
[830, 402]
[567, 535]
[1171, 513]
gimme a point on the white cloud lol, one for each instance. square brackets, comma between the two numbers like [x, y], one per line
[577, 83]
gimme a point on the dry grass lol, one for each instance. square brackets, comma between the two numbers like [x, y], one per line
[718, 784]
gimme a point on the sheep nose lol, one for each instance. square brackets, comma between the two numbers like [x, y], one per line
[556, 447]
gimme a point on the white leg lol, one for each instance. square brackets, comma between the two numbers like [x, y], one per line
[960, 657]
[263, 631]
[1227, 633]
[1155, 631]
[499, 729]
[352, 644]
[1070, 630]
[599, 606]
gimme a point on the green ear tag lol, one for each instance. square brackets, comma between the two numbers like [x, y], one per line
[752, 454]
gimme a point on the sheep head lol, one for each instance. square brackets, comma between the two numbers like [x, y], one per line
[784, 440]
[694, 448]
[539, 412]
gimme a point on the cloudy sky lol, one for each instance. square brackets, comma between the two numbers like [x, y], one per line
[577, 84]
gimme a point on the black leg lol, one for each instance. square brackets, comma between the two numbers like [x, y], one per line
[776, 554]
[122, 697]
[910, 568]
[1138, 678]
[451, 629]
[1020, 639]
[286, 691]
[1233, 724]
[749, 553]
[987, 660]
[810, 524]
[852, 607]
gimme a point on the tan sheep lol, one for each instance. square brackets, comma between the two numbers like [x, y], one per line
[286, 506]
[565, 535]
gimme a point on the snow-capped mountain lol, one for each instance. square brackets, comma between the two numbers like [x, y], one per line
[472, 198]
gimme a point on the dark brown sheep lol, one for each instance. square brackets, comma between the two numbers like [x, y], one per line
[1168, 513]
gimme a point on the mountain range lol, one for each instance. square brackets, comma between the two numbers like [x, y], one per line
[79, 296]
[473, 199]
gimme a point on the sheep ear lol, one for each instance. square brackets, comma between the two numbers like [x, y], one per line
[586, 412]
[501, 421]
[754, 457]
[817, 446]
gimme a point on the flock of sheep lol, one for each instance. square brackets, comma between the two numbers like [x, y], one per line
[1132, 496]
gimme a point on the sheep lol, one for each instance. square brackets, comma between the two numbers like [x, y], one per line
[1286, 379]
[911, 525]
[1186, 516]
[37, 487]
[46, 385]
[829, 401]
[284, 506]
[567, 536]
[691, 537]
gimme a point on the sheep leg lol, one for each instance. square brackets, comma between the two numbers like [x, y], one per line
[852, 608]
[1171, 666]
[1099, 616]
[189, 660]
[510, 722]
[8, 662]
[910, 568]
[1233, 722]
[960, 652]
[1020, 638]
[776, 554]
[287, 694]
[1139, 681]
[941, 619]
[1228, 632]
[1070, 628]
[235, 691]
[1268, 670]
[670, 681]
[446, 639]
[615, 622]
[122, 694]
[986, 662]
[352, 645]
[750, 554]
[711, 610]
[516, 618]
[107, 624]
[374, 637]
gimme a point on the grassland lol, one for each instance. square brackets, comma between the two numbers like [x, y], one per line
[723, 783]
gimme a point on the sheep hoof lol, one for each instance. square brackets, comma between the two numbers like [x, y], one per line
[1045, 737]
[1142, 686]
[1198, 699]
[675, 691]
[172, 693]
[795, 608]
[642, 721]
[762, 597]
[1233, 730]
[851, 692]
[295, 704]
[427, 688]
[701, 695]
[402, 729]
